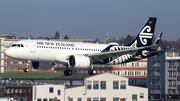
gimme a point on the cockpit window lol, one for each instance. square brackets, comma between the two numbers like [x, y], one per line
[17, 45]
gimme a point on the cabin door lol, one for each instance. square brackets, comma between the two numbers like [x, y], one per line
[32, 47]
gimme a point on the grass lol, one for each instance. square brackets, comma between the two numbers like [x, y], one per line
[29, 75]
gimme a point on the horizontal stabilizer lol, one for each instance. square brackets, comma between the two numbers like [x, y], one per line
[168, 49]
[158, 39]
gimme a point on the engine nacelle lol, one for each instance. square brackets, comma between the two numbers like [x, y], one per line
[42, 65]
[79, 61]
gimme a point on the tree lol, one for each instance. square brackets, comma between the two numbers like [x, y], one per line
[66, 37]
[96, 41]
[57, 35]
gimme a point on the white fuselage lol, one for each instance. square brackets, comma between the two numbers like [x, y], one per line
[51, 51]
[44, 50]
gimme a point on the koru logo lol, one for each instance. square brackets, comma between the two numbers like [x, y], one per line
[143, 36]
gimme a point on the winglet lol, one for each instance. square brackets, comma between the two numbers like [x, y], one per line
[158, 39]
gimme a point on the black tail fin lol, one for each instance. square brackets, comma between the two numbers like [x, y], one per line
[145, 36]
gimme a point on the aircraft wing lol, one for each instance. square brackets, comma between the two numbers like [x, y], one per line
[105, 55]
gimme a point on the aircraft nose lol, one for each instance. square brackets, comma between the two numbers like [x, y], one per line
[8, 52]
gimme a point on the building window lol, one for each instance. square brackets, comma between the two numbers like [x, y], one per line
[59, 92]
[115, 99]
[11, 62]
[70, 99]
[12, 90]
[123, 99]
[24, 91]
[95, 84]
[141, 95]
[134, 97]
[115, 84]
[8, 91]
[95, 99]
[20, 69]
[103, 84]
[38, 99]
[133, 64]
[171, 91]
[44, 99]
[89, 85]
[79, 99]
[176, 54]
[6, 62]
[15, 63]
[16, 90]
[137, 72]
[88, 99]
[123, 85]
[51, 99]
[102, 99]
[20, 63]
[169, 54]
[29, 90]
[20, 90]
[14, 69]
[8, 69]
[137, 64]
[51, 90]
[24, 63]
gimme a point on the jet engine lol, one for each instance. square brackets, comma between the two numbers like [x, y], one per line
[42, 65]
[79, 61]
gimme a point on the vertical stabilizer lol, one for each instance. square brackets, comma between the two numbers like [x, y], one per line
[145, 36]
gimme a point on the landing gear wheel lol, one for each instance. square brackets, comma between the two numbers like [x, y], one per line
[68, 72]
[92, 71]
[89, 71]
[26, 70]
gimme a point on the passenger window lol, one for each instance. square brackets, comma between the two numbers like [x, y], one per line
[18, 45]
[13, 45]
[22, 45]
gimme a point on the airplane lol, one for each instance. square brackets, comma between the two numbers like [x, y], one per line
[44, 53]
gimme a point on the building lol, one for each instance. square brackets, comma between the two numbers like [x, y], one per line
[20, 91]
[2, 38]
[106, 87]
[100, 87]
[107, 38]
[164, 73]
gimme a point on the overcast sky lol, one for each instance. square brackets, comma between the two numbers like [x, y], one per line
[88, 19]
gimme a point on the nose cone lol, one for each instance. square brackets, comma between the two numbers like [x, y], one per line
[8, 52]
[11, 52]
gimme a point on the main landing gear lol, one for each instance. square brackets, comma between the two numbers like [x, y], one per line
[68, 72]
[26, 70]
[92, 71]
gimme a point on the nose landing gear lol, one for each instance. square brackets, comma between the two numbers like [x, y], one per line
[26, 70]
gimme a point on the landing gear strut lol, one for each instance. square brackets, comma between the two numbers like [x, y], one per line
[68, 72]
[92, 71]
[26, 70]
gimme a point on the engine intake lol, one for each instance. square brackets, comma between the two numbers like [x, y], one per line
[79, 61]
